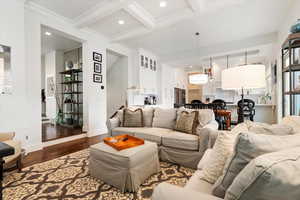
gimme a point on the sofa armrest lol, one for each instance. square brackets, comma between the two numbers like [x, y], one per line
[6, 136]
[165, 191]
[207, 138]
[112, 123]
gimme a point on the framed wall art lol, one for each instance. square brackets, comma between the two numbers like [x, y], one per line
[97, 67]
[146, 62]
[142, 61]
[97, 78]
[97, 57]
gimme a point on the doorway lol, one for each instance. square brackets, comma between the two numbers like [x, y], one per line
[62, 85]
[117, 81]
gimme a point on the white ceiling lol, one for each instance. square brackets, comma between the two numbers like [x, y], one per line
[170, 32]
[56, 41]
[173, 6]
[109, 25]
[68, 8]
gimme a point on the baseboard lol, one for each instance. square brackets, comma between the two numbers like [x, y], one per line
[63, 140]
[32, 148]
[96, 133]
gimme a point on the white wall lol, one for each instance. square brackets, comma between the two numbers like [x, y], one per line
[147, 77]
[117, 80]
[14, 108]
[171, 78]
[21, 112]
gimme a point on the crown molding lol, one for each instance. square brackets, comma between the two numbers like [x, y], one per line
[100, 11]
[141, 14]
[45, 11]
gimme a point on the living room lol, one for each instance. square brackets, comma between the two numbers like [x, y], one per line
[179, 59]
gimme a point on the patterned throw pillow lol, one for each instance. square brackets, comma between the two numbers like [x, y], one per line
[133, 118]
[187, 122]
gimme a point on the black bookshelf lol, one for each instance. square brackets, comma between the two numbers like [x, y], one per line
[290, 53]
[72, 92]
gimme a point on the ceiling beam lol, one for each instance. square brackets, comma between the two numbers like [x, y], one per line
[100, 11]
[195, 5]
[142, 15]
[162, 23]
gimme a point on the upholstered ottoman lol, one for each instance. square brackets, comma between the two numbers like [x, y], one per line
[126, 169]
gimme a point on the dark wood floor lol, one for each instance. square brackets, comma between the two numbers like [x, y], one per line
[51, 132]
[59, 150]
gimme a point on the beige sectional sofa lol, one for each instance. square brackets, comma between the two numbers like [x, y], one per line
[270, 176]
[182, 148]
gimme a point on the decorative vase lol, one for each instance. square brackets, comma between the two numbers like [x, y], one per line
[70, 65]
[296, 28]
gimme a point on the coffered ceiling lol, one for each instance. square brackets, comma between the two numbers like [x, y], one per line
[169, 31]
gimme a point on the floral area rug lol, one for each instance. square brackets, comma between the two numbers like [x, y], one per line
[68, 178]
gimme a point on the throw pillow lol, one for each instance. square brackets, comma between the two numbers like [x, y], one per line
[222, 149]
[187, 122]
[204, 160]
[293, 121]
[148, 116]
[164, 118]
[267, 129]
[205, 115]
[133, 118]
[247, 147]
[269, 177]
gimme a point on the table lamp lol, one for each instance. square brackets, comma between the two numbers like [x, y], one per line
[244, 77]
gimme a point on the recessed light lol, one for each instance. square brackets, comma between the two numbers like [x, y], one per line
[121, 22]
[48, 33]
[163, 4]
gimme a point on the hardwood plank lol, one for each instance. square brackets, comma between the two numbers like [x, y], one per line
[51, 132]
[58, 150]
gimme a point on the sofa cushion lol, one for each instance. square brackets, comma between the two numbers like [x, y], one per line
[222, 150]
[269, 177]
[195, 183]
[164, 118]
[293, 121]
[267, 129]
[133, 118]
[204, 115]
[187, 122]
[152, 134]
[125, 130]
[249, 146]
[180, 140]
[148, 114]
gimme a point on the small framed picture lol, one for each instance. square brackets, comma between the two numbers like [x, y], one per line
[97, 78]
[142, 60]
[146, 62]
[97, 67]
[97, 57]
